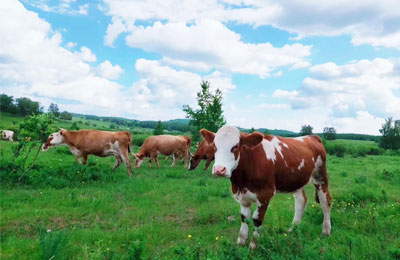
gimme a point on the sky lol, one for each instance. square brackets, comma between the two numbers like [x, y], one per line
[280, 64]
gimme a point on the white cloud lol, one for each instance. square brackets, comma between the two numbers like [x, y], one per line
[362, 90]
[208, 44]
[164, 90]
[86, 54]
[107, 70]
[113, 30]
[68, 7]
[366, 21]
[71, 45]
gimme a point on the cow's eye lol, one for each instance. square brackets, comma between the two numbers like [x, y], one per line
[235, 148]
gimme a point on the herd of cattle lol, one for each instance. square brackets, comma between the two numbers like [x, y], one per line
[258, 165]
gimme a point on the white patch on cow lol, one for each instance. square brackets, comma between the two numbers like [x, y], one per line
[287, 166]
[57, 139]
[226, 138]
[246, 197]
[285, 145]
[301, 164]
[300, 138]
[75, 151]
[255, 214]
[270, 148]
[313, 159]
[140, 162]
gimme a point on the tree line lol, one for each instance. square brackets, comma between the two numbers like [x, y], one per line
[24, 106]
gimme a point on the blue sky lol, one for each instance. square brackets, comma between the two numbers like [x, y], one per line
[280, 64]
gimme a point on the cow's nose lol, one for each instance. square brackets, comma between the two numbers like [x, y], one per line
[219, 170]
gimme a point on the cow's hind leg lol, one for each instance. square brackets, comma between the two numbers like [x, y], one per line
[325, 200]
[300, 200]
[259, 215]
[320, 181]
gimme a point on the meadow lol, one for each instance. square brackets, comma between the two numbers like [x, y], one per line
[93, 212]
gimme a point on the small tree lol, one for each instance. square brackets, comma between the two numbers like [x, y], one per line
[65, 115]
[267, 132]
[329, 133]
[7, 104]
[306, 130]
[53, 108]
[159, 130]
[252, 130]
[25, 107]
[210, 113]
[390, 134]
[32, 133]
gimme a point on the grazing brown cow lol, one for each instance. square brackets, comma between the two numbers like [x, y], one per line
[258, 166]
[166, 145]
[205, 151]
[100, 143]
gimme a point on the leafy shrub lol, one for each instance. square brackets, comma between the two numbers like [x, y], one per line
[386, 175]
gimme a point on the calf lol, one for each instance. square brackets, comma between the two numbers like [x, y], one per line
[258, 166]
[100, 143]
[7, 135]
[166, 145]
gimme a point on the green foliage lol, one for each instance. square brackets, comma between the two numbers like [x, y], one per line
[390, 134]
[7, 104]
[159, 130]
[252, 130]
[25, 106]
[53, 109]
[210, 113]
[74, 126]
[52, 244]
[306, 130]
[65, 116]
[113, 126]
[329, 133]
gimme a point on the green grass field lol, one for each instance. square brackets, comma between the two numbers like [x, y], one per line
[171, 213]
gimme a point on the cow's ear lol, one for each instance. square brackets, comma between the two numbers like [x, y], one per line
[252, 139]
[207, 135]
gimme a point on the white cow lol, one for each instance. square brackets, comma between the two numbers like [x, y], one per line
[7, 135]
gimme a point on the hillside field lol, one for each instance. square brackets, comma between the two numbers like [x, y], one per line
[94, 212]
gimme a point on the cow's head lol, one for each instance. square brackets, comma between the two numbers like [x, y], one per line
[228, 144]
[54, 139]
[205, 151]
[139, 158]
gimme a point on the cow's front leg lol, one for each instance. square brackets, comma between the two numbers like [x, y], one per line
[258, 217]
[84, 158]
[118, 161]
[245, 212]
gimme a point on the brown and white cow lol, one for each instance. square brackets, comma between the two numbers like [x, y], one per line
[258, 166]
[100, 143]
[166, 145]
[7, 135]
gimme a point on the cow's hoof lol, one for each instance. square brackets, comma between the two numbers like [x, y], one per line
[253, 245]
[241, 241]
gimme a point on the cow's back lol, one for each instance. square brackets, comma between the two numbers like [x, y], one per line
[164, 144]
